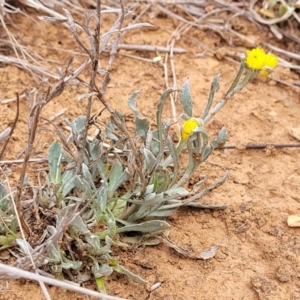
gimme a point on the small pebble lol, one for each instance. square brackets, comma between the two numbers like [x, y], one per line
[295, 133]
[155, 286]
[293, 221]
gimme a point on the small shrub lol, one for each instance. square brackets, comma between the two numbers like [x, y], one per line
[115, 182]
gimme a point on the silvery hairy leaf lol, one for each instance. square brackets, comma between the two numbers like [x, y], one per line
[215, 85]
[142, 124]
[25, 246]
[70, 264]
[149, 160]
[147, 226]
[54, 159]
[131, 275]
[104, 270]
[116, 177]
[186, 98]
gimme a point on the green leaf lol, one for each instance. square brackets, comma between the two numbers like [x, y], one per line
[54, 254]
[95, 148]
[102, 196]
[151, 203]
[146, 227]
[161, 181]
[175, 159]
[68, 182]
[186, 99]
[215, 85]
[88, 176]
[190, 201]
[282, 10]
[162, 212]
[142, 124]
[120, 116]
[178, 192]
[104, 270]
[117, 206]
[142, 127]
[2, 191]
[80, 225]
[7, 240]
[70, 264]
[78, 125]
[155, 145]
[201, 140]
[25, 246]
[83, 185]
[109, 130]
[100, 284]
[116, 177]
[222, 137]
[54, 158]
[149, 200]
[134, 277]
[149, 189]
[14, 226]
[131, 103]
[144, 240]
[109, 242]
[149, 160]
[159, 111]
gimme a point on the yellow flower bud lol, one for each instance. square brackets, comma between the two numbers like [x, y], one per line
[188, 127]
[264, 73]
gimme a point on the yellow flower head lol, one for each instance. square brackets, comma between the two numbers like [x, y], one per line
[271, 61]
[188, 127]
[255, 58]
[258, 59]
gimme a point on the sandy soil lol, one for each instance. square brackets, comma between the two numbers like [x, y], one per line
[259, 255]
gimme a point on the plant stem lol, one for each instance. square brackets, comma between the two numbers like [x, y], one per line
[237, 78]
[95, 45]
[179, 148]
[229, 94]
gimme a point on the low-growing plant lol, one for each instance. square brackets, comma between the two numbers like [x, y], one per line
[117, 182]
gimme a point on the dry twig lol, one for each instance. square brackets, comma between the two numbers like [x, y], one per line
[9, 271]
